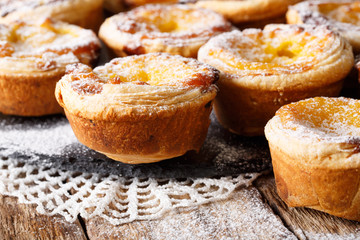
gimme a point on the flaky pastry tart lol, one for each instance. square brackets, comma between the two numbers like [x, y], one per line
[315, 150]
[85, 13]
[33, 56]
[342, 16]
[140, 109]
[261, 70]
[240, 11]
[175, 29]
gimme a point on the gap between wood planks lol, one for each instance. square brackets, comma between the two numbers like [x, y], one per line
[271, 204]
[306, 223]
[83, 225]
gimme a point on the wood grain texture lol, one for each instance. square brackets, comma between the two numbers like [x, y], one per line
[307, 223]
[251, 213]
[244, 216]
[22, 222]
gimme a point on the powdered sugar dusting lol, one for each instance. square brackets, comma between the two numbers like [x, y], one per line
[325, 236]
[38, 139]
[243, 216]
[51, 142]
[117, 199]
[329, 119]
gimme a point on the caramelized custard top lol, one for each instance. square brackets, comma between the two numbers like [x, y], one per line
[154, 69]
[323, 117]
[275, 50]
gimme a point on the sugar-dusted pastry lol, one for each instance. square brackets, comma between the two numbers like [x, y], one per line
[261, 70]
[342, 16]
[315, 150]
[175, 29]
[33, 56]
[239, 11]
[140, 109]
[85, 13]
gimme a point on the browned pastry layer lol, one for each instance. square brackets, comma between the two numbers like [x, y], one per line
[140, 109]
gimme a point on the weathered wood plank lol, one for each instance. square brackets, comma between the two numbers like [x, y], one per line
[304, 222]
[244, 216]
[21, 221]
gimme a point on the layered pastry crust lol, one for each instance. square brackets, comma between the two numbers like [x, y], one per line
[33, 56]
[263, 70]
[140, 109]
[175, 29]
[85, 13]
[342, 16]
[239, 11]
[315, 150]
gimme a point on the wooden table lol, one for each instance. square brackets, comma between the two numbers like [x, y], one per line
[255, 212]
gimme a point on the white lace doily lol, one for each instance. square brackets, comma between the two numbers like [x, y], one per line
[116, 199]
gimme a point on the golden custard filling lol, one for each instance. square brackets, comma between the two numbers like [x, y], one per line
[274, 51]
[328, 116]
[171, 19]
[151, 69]
[174, 20]
[341, 12]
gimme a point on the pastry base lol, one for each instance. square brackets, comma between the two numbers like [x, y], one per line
[262, 23]
[29, 95]
[114, 6]
[246, 111]
[92, 19]
[142, 140]
[334, 191]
